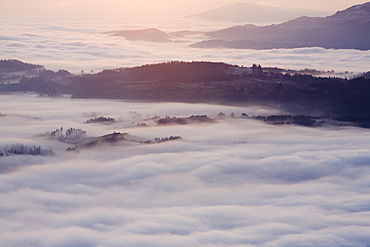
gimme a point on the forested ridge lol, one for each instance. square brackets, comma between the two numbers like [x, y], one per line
[209, 82]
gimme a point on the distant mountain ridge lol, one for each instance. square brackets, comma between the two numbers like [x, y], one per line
[347, 29]
[255, 12]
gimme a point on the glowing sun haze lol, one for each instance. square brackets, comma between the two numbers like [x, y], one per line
[143, 8]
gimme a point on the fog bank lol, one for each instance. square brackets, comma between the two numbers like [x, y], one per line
[236, 182]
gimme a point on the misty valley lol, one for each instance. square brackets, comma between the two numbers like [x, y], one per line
[123, 123]
[208, 173]
[307, 98]
[77, 139]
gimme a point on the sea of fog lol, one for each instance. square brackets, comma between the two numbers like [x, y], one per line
[81, 44]
[235, 182]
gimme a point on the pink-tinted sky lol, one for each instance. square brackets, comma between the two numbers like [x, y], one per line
[144, 8]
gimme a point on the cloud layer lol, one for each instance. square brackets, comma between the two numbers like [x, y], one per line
[237, 182]
[79, 44]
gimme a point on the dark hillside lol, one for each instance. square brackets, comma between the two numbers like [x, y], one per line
[218, 83]
[347, 29]
[11, 65]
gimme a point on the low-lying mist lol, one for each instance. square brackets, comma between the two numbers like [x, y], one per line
[234, 182]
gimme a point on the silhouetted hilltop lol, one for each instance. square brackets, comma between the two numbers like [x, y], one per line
[171, 71]
[12, 65]
[347, 29]
[118, 138]
[153, 35]
[219, 83]
[13, 71]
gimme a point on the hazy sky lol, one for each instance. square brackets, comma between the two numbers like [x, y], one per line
[61, 40]
[147, 8]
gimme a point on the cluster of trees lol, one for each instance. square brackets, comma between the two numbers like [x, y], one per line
[303, 120]
[70, 134]
[159, 140]
[101, 119]
[21, 149]
[69, 149]
[312, 121]
[52, 95]
[257, 69]
[366, 75]
[191, 119]
[173, 120]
